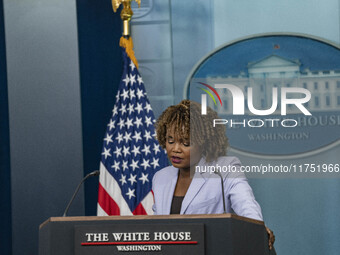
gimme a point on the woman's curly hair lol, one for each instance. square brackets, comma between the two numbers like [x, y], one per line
[187, 121]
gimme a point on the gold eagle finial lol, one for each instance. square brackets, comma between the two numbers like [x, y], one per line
[116, 3]
[126, 13]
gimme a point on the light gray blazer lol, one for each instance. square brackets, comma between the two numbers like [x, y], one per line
[204, 195]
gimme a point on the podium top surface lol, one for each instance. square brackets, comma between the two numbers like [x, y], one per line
[149, 217]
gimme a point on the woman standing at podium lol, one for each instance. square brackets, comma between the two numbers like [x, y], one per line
[196, 151]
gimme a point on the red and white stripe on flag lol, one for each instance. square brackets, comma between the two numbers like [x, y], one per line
[111, 201]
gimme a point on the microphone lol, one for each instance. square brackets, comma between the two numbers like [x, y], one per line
[94, 173]
[223, 198]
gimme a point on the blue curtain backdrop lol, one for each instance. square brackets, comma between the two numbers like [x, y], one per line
[100, 59]
[5, 174]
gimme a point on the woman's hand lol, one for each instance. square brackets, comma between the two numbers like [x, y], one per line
[271, 238]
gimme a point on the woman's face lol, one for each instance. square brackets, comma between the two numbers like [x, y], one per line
[181, 153]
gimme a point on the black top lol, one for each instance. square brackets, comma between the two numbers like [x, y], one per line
[176, 205]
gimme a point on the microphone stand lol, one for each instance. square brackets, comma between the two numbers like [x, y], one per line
[94, 173]
[223, 198]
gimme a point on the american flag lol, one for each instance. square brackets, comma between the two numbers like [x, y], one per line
[131, 155]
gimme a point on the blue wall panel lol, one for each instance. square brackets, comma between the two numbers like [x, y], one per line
[5, 174]
[100, 60]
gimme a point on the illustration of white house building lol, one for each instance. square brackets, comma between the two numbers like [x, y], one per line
[277, 72]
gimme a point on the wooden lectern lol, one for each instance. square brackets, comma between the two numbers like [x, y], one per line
[213, 234]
